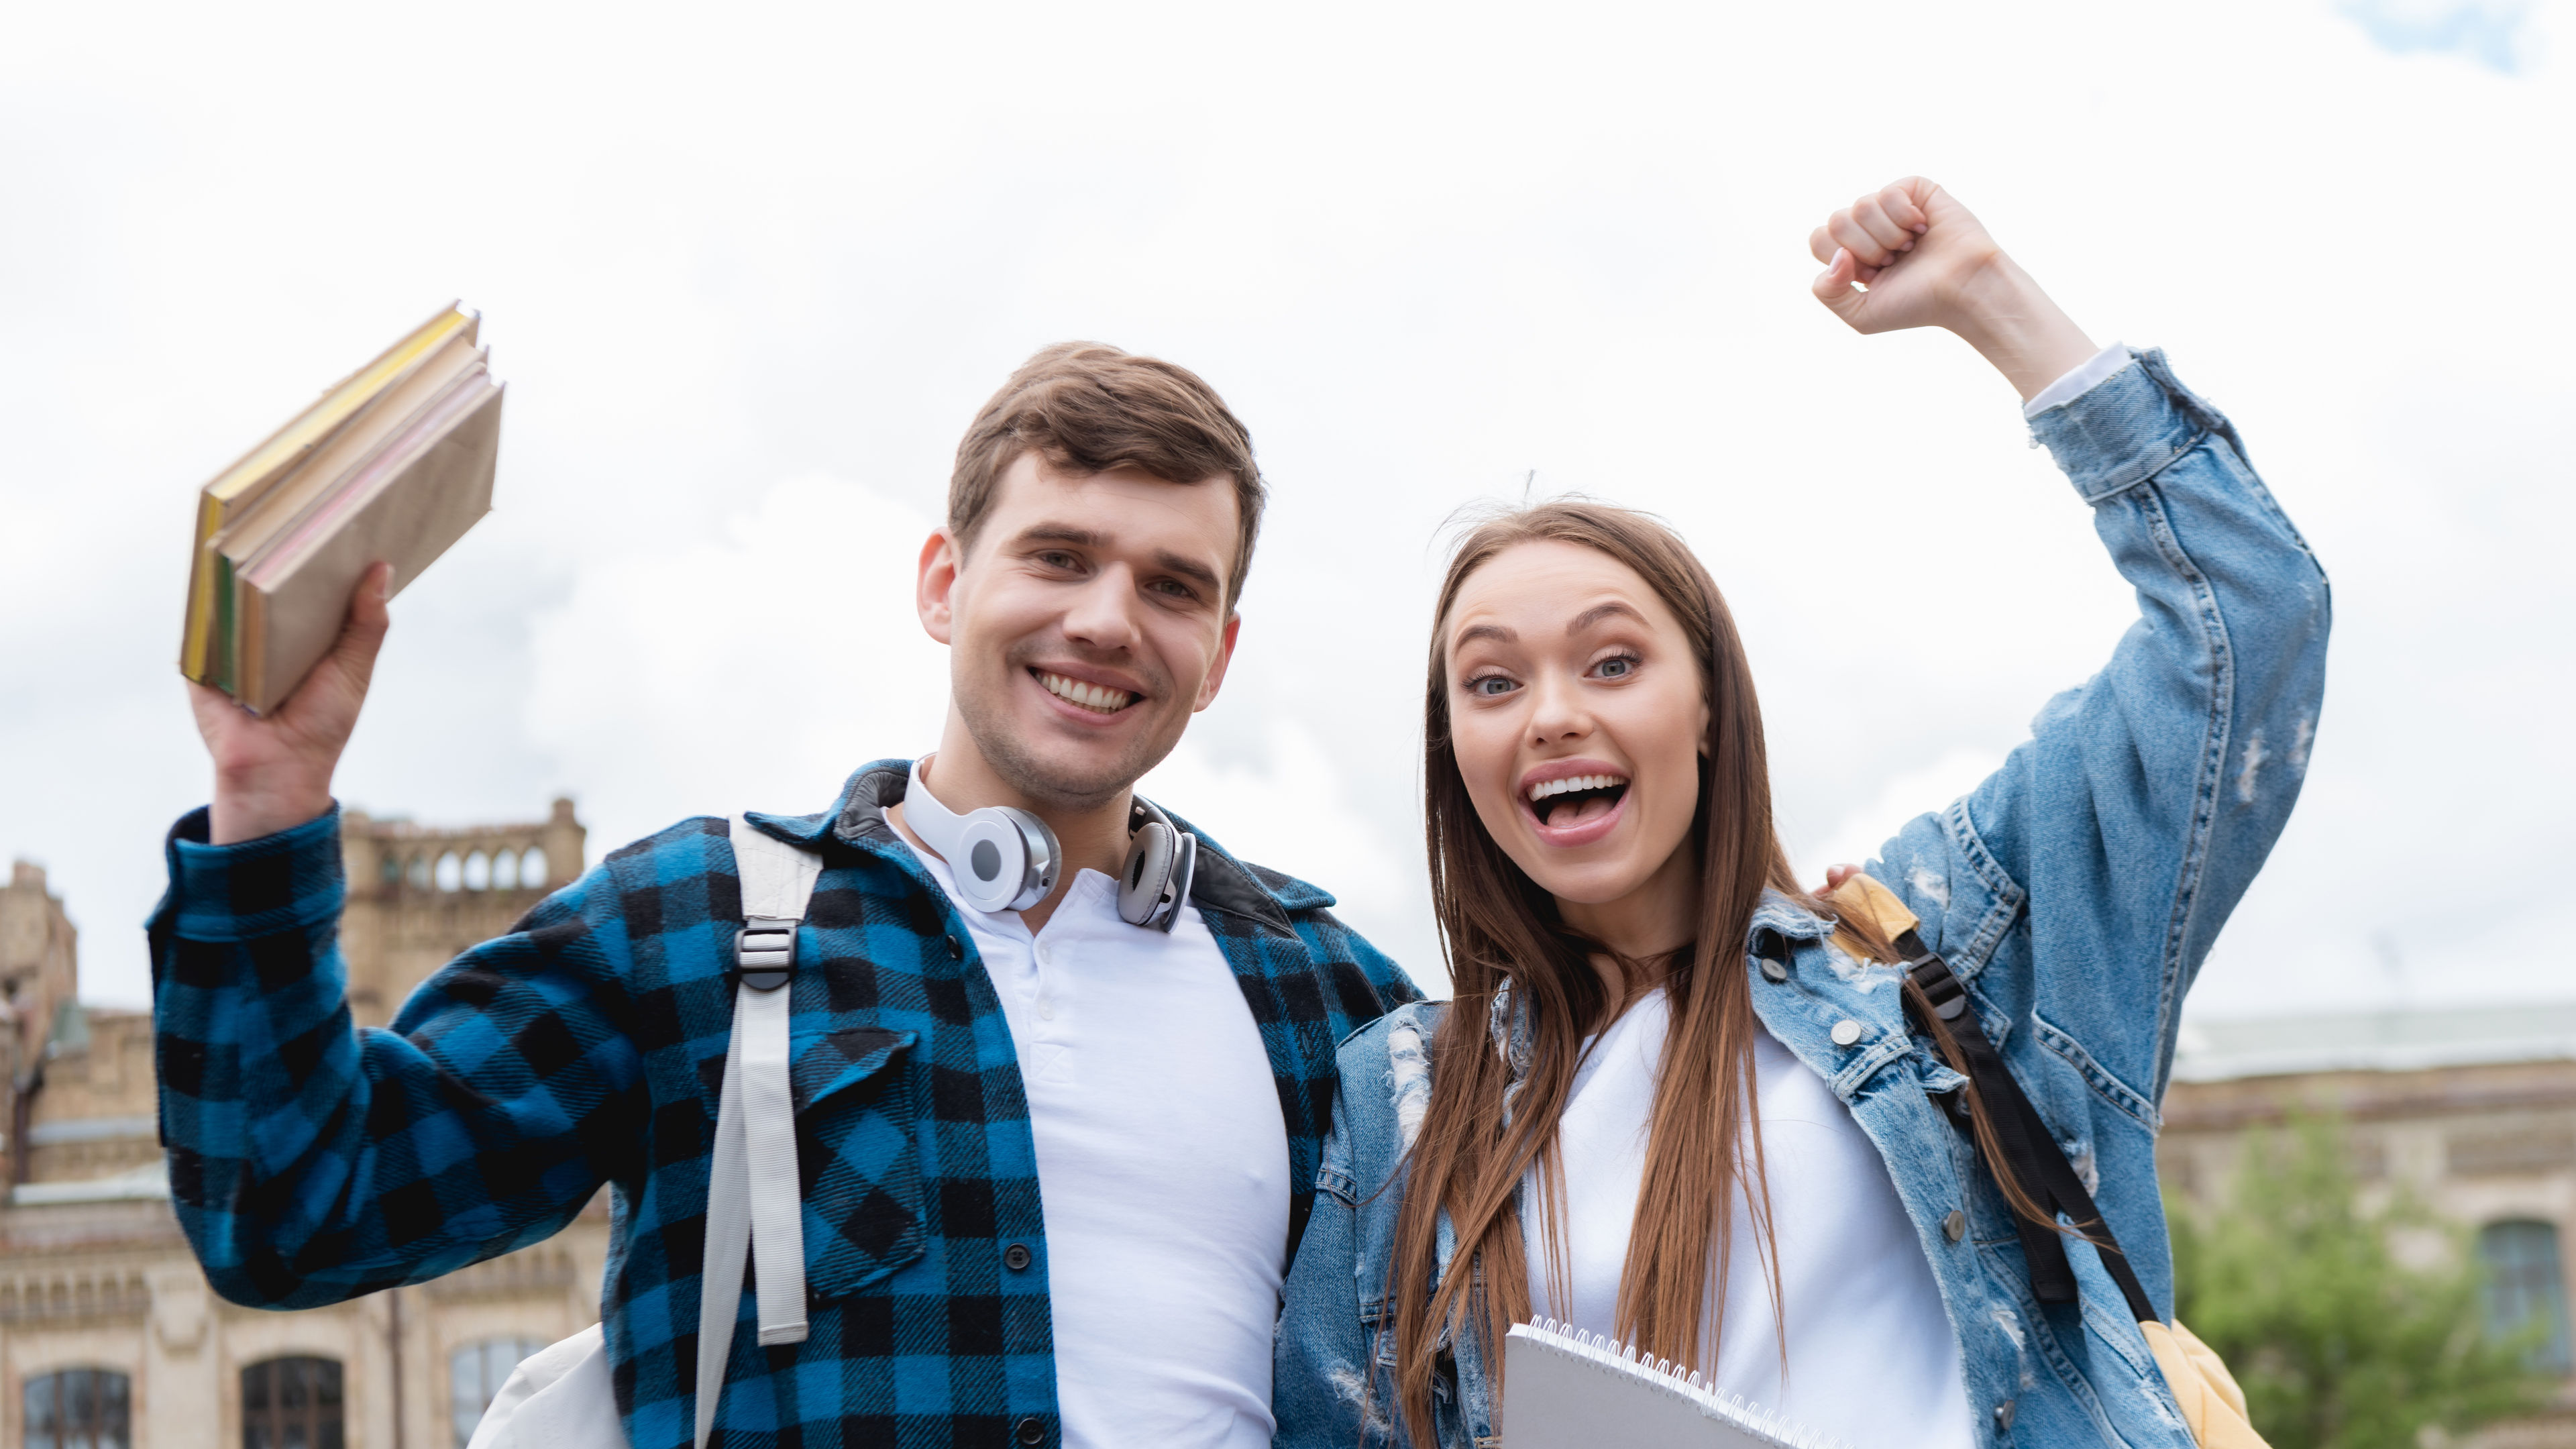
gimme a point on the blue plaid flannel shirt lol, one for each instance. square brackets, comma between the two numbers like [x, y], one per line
[311, 1161]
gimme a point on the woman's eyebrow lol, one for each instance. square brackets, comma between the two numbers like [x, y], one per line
[1599, 612]
[1473, 632]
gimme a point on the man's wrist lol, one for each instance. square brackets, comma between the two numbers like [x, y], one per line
[2015, 325]
[247, 812]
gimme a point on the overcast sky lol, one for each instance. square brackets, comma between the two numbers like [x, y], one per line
[749, 270]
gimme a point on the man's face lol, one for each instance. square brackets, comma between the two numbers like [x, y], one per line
[1085, 625]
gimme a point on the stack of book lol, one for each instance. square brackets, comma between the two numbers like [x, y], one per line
[392, 464]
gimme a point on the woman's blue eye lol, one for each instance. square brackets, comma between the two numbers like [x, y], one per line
[1498, 684]
[1616, 668]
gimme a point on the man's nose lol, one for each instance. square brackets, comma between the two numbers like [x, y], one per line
[1103, 612]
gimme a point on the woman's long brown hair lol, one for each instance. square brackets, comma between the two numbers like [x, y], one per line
[1704, 1138]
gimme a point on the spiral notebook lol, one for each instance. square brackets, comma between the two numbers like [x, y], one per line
[1566, 1389]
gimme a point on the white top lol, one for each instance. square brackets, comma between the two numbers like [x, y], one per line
[1162, 1164]
[1872, 1359]
[2078, 380]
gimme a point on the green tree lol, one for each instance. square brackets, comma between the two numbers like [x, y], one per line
[2338, 1343]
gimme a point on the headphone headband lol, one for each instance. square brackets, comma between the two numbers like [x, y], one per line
[1006, 859]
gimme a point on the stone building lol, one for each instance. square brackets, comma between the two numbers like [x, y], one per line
[109, 1335]
[2473, 1112]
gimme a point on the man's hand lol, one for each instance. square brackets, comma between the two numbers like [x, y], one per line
[274, 774]
[1920, 259]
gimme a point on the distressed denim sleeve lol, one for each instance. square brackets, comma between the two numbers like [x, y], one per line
[312, 1161]
[2121, 835]
[1320, 1383]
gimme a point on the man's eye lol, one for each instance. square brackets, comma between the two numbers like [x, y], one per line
[1055, 560]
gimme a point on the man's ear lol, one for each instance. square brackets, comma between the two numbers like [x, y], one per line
[936, 583]
[1224, 657]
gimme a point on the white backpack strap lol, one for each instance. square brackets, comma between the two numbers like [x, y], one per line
[755, 1205]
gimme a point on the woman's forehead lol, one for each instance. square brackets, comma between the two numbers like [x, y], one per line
[1545, 586]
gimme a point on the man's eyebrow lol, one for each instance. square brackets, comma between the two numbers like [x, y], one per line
[1188, 568]
[1599, 612]
[1062, 533]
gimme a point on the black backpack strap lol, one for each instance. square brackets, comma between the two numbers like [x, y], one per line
[2031, 1155]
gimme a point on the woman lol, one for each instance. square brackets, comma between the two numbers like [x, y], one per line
[1668, 1104]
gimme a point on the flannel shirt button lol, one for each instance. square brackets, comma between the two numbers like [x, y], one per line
[1016, 1257]
[1030, 1431]
[956, 952]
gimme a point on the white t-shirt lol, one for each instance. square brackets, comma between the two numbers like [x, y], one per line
[1871, 1356]
[1162, 1164]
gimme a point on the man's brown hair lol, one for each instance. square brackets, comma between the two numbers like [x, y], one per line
[1088, 407]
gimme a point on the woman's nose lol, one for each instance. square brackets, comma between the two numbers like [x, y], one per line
[1556, 712]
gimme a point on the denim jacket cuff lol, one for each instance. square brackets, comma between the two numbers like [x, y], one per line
[253, 888]
[2125, 429]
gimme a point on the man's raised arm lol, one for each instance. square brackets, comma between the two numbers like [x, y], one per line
[311, 1161]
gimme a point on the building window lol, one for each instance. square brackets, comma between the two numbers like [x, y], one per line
[475, 1373]
[2524, 1284]
[82, 1408]
[291, 1403]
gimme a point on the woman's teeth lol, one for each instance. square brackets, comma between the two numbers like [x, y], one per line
[1093, 697]
[1571, 783]
[1576, 799]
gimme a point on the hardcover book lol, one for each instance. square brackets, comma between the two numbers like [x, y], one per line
[392, 463]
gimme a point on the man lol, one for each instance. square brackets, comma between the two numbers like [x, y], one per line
[1054, 1164]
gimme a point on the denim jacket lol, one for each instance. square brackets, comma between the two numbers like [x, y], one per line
[311, 1162]
[2076, 891]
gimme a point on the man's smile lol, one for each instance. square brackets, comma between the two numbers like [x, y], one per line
[1097, 698]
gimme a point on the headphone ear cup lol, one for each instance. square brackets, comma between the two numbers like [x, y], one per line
[990, 861]
[1148, 871]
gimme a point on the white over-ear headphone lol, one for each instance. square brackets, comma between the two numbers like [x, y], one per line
[1006, 859]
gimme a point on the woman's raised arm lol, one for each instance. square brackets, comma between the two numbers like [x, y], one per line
[2084, 882]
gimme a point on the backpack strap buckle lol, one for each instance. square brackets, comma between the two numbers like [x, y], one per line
[764, 951]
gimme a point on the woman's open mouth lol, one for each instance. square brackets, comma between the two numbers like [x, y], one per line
[1575, 809]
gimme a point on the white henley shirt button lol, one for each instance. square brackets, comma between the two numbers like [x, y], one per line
[1046, 1008]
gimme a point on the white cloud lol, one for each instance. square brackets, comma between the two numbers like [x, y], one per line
[750, 668]
[1901, 796]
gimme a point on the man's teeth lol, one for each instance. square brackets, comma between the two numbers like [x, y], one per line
[1571, 783]
[1089, 696]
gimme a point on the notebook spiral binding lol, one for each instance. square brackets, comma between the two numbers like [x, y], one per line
[1735, 1409]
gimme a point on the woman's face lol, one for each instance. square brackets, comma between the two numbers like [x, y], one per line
[1579, 718]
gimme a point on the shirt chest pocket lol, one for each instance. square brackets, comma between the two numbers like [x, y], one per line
[857, 1112]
